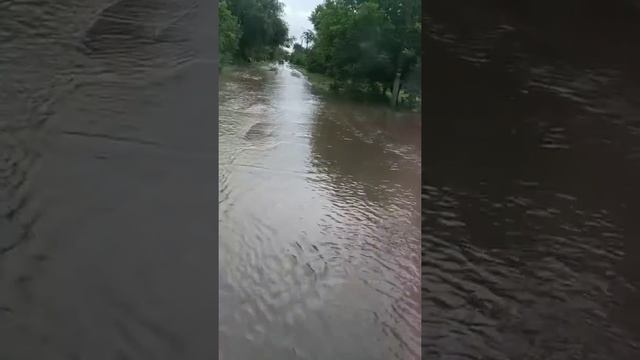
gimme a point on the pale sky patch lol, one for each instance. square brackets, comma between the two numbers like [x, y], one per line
[296, 14]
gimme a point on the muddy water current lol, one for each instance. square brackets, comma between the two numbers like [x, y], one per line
[319, 223]
[531, 172]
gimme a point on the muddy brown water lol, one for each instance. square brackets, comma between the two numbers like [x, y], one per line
[319, 223]
[531, 172]
[108, 185]
[108, 193]
[107, 180]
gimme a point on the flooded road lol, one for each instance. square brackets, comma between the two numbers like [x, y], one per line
[108, 180]
[531, 240]
[319, 223]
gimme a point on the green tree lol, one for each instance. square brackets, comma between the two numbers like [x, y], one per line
[290, 41]
[405, 40]
[308, 36]
[263, 30]
[372, 43]
[228, 32]
[298, 55]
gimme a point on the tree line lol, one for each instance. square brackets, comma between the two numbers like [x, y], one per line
[251, 30]
[371, 45]
[365, 45]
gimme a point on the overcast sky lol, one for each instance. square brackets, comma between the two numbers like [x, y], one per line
[296, 14]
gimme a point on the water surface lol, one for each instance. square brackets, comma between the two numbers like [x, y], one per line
[530, 233]
[319, 223]
[107, 180]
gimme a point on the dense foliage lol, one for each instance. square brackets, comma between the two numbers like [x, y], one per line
[251, 30]
[363, 44]
[228, 30]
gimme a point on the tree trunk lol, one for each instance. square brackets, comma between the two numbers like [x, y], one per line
[396, 90]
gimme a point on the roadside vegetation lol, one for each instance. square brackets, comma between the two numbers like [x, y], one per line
[251, 31]
[365, 46]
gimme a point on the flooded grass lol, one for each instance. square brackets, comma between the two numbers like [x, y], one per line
[326, 86]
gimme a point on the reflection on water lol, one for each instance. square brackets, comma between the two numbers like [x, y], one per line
[106, 173]
[319, 230]
[530, 236]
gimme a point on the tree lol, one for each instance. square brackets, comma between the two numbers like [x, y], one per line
[298, 55]
[228, 32]
[263, 30]
[406, 38]
[371, 42]
[290, 41]
[308, 36]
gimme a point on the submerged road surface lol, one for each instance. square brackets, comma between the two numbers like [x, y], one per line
[319, 223]
[108, 177]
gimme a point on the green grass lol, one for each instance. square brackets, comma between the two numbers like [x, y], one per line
[323, 83]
